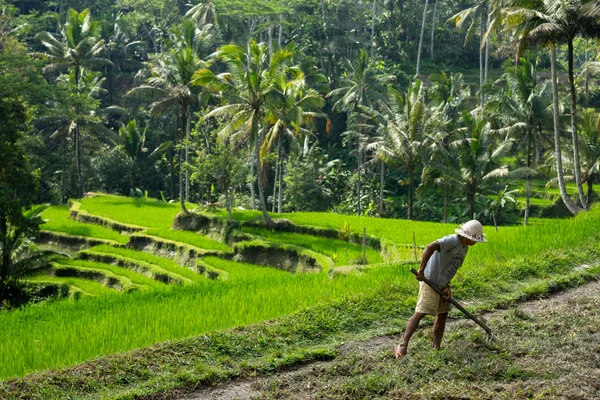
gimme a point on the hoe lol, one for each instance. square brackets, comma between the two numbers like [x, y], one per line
[488, 331]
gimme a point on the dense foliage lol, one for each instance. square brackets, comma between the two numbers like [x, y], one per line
[312, 98]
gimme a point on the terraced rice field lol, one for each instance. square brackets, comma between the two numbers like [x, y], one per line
[181, 284]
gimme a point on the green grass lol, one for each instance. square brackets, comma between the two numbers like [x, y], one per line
[111, 324]
[191, 238]
[88, 287]
[320, 245]
[134, 277]
[58, 221]
[49, 335]
[163, 263]
[142, 212]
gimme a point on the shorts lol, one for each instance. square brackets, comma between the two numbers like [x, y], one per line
[429, 302]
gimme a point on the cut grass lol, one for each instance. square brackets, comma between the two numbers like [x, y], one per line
[513, 256]
[58, 221]
[320, 245]
[194, 239]
[176, 368]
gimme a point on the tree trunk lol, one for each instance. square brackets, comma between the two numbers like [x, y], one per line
[359, 163]
[576, 162]
[421, 38]
[381, 185]
[527, 181]
[433, 28]
[280, 38]
[571, 206]
[5, 257]
[586, 74]
[481, 59]
[277, 172]
[261, 191]
[590, 192]
[410, 195]
[78, 159]
[373, 28]
[270, 37]
[187, 152]
[487, 44]
[251, 183]
[228, 204]
[172, 174]
[471, 197]
[78, 137]
[181, 183]
[445, 207]
[280, 197]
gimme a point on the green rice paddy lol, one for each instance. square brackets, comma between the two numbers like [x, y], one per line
[65, 332]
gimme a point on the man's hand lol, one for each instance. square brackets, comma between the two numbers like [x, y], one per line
[447, 293]
[421, 275]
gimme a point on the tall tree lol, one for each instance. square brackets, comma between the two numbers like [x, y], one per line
[562, 21]
[291, 119]
[361, 86]
[171, 86]
[402, 124]
[421, 37]
[590, 132]
[79, 46]
[521, 110]
[550, 23]
[479, 160]
[249, 91]
[479, 9]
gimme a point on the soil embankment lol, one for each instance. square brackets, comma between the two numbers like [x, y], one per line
[547, 348]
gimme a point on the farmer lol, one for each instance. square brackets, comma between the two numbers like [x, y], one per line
[441, 259]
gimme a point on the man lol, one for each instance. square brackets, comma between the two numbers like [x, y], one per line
[441, 259]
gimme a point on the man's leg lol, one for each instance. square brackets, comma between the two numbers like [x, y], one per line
[438, 330]
[411, 327]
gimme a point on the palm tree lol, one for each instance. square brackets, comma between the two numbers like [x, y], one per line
[291, 119]
[447, 98]
[204, 13]
[421, 38]
[81, 113]
[559, 22]
[18, 255]
[402, 123]
[521, 110]
[171, 86]
[478, 160]
[590, 132]
[362, 86]
[250, 92]
[79, 46]
[481, 8]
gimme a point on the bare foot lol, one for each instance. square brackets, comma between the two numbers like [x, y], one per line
[400, 351]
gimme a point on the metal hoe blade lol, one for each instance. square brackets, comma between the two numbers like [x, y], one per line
[488, 331]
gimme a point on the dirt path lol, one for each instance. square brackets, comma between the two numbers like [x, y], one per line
[547, 349]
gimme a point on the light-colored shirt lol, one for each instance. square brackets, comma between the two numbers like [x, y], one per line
[443, 264]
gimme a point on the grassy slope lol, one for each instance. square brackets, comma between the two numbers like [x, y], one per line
[320, 245]
[476, 279]
[57, 220]
[192, 238]
[315, 333]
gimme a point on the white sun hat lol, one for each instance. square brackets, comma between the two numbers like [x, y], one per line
[472, 230]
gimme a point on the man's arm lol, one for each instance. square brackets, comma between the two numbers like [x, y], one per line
[427, 253]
